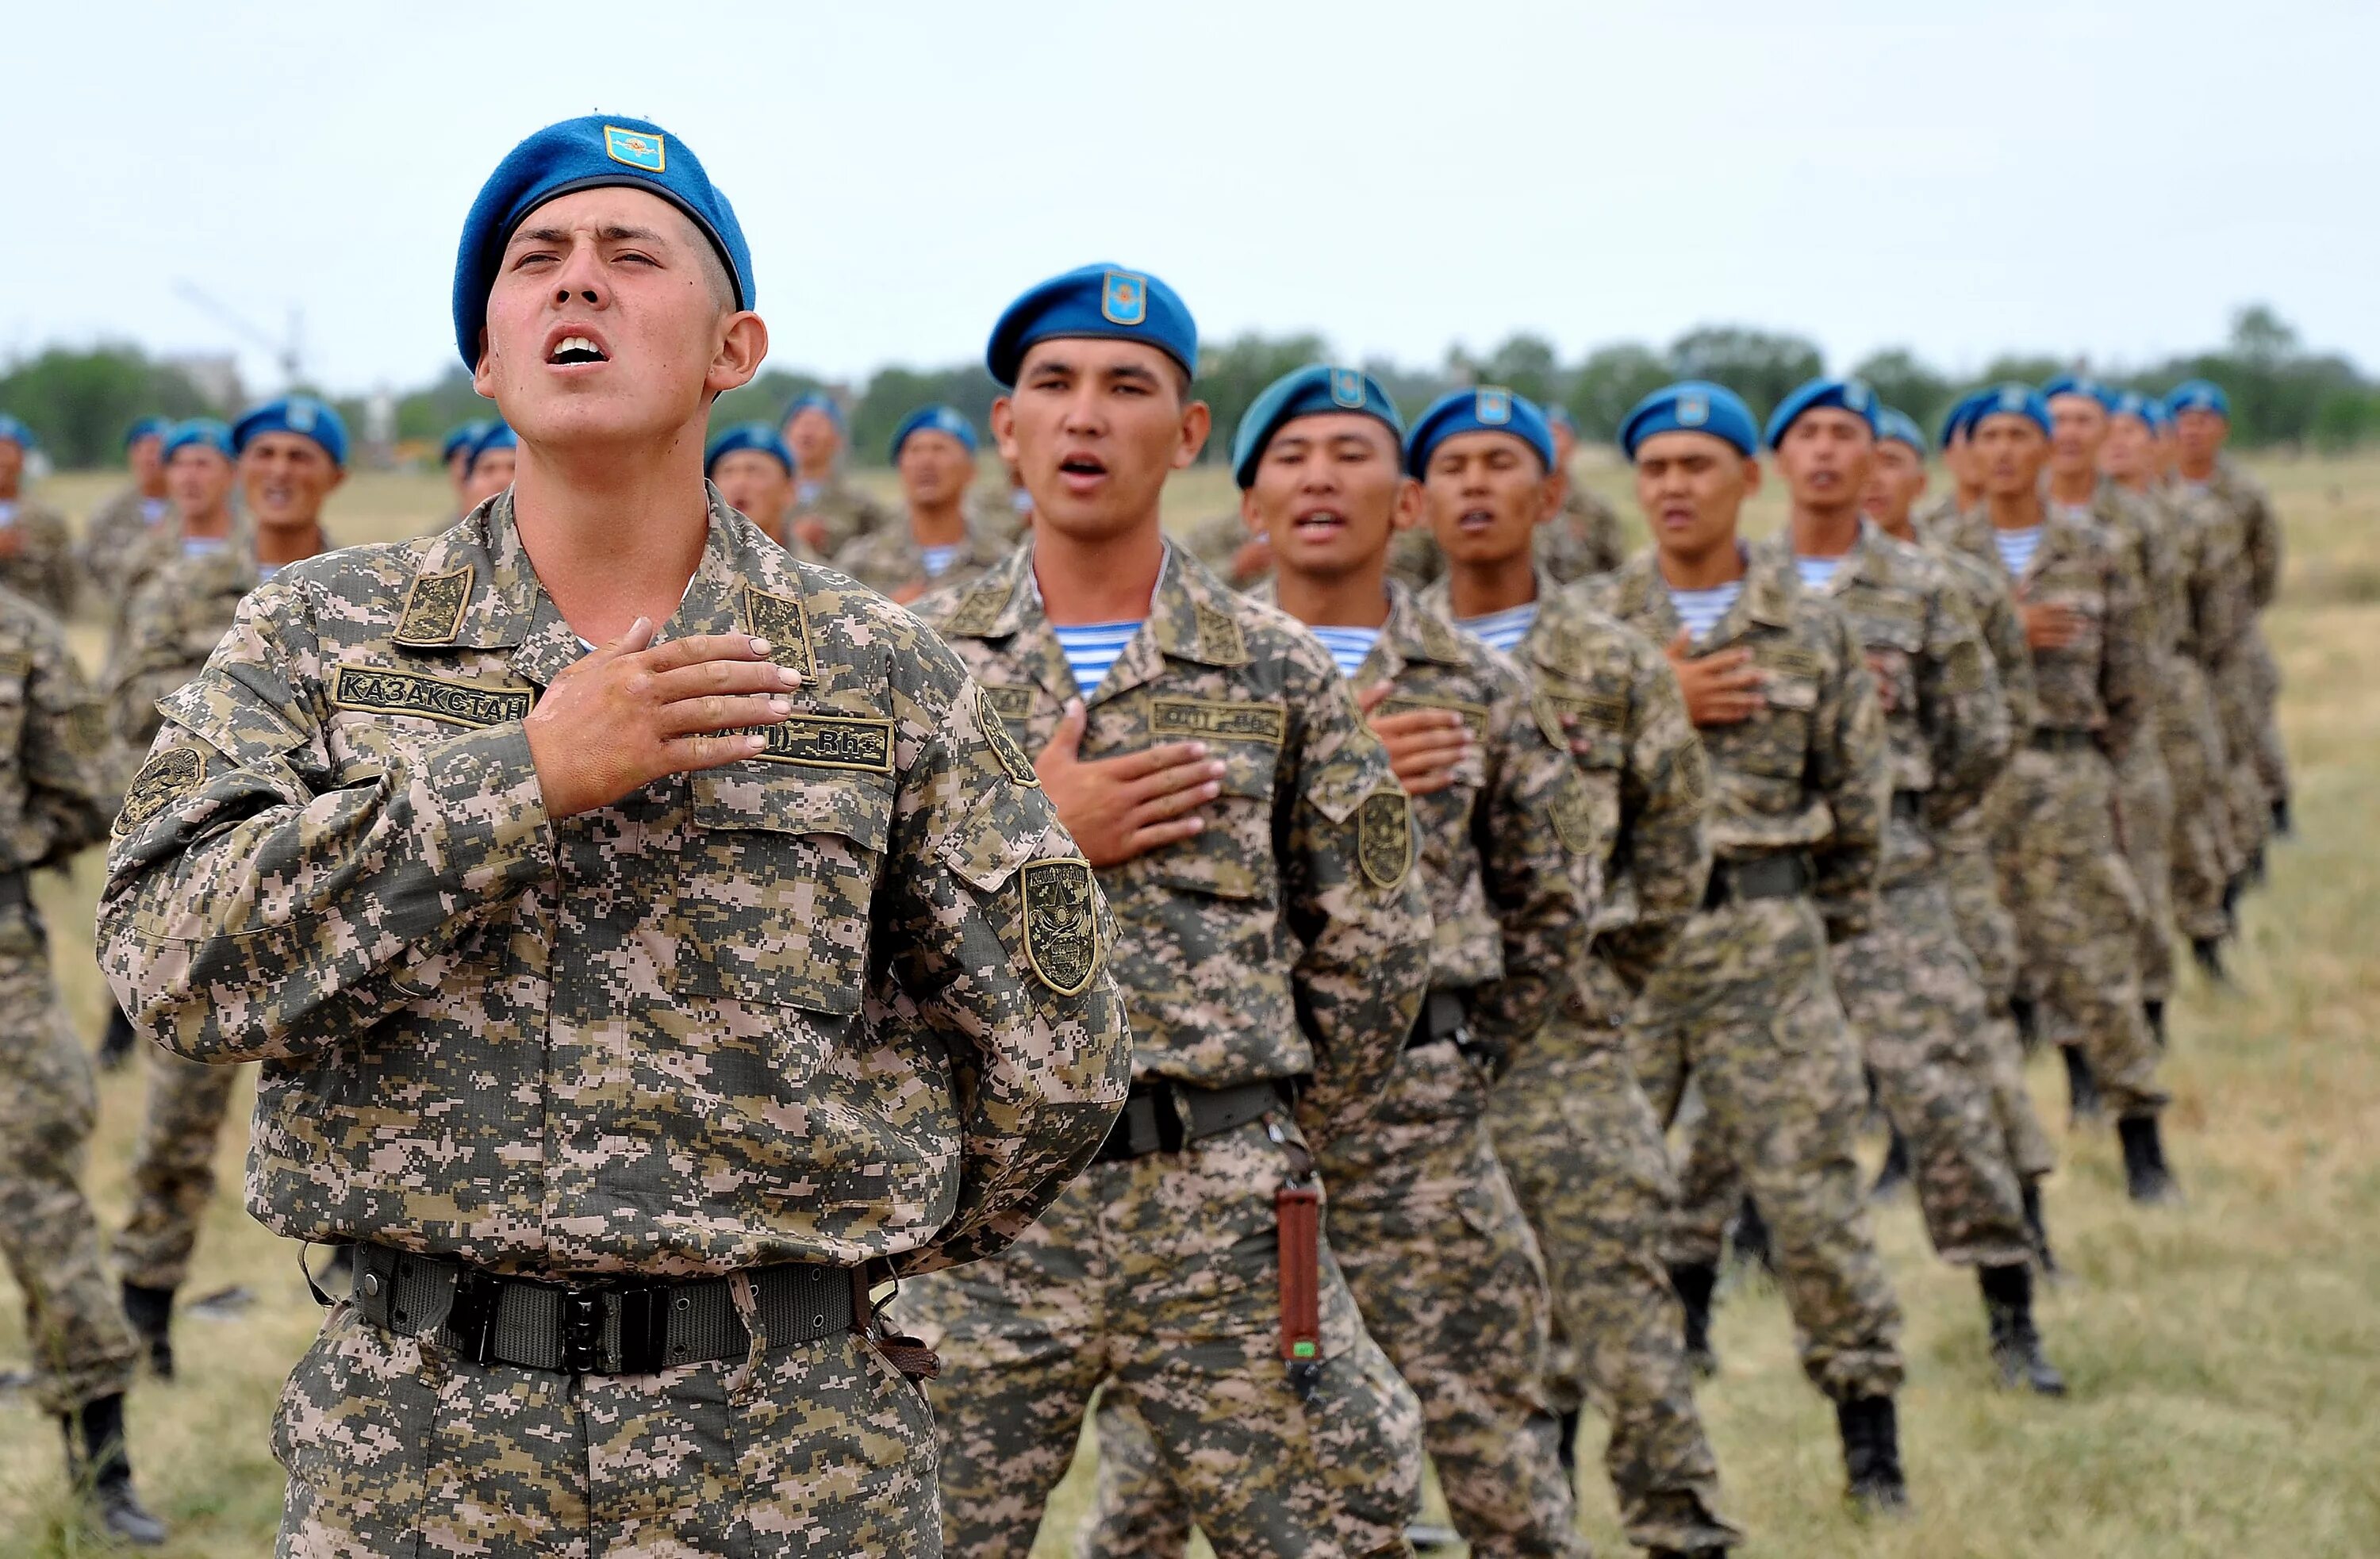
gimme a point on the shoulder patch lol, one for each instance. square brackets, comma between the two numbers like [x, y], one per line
[1220, 720]
[1572, 816]
[1475, 716]
[1438, 639]
[1384, 837]
[1062, 942]
[1220, 639]
[433, 607]
[1014, 703]
[429, 697]
[166, 778]
[832, 741]
[1002, 742]
[784, 622]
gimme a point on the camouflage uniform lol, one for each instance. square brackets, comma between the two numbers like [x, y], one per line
[2253, 679]
[1936, 515]
[1746, 1003]
[794, 1009]
[170, 630]
[2143, 784]
[1423, 1219]
[37, 558]
[54, 797]
[845, 510]
[889, 560]
[1584, 539]
[1288, 940]
[2205, 850]
[1572, 1123]
[2223, 607]
[2062, 875]
[1216, 541]
[109, 539]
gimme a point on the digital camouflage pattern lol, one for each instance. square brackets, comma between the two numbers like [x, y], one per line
[110, 538]
[844, 511]
[1423, 1222]
[2143, 785]
[889, 561]
[1275, 944]
[56, 797]
[1215, 540]
[2204, 845]
[2251, 686]
[37, 556]
[2224, 614]
[1583, 538]
[2062, 875]
[1745, 1004]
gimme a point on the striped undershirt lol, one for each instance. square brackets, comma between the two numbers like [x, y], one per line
[1091, 648]
[2017, 548]
[1502, 631]
[937, 560]
[1816, 573]
[1349, 647]
[1700, 610]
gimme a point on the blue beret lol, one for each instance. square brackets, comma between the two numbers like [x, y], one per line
[302, 415]
[748, 435]
[14, 431]
[1488, 409]
[498, 434]
[2159, 417]
[1961, 418]
[459, 437]
[2132, 403]
[2079, 385]
[203, 431]
[146, 427]
[813, 400]
[1104, 301]
[594, 153]
[1315, 390]
[1896, 426]
[1850, 394]
[2198, 394]
[2011, 399]
[936, 418]
[1558, 416]
[1693, 405]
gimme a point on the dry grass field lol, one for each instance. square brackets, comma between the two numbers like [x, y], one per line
[2225, 1357]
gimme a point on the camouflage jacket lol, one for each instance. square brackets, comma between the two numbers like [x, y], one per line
[1584, 539]
[1290, 937]
[2226, 603]
[1216, 541]
[170, 627]
[2102, 682]
[2154, 555]
[2212, 546]
[1936, 515]
[112, 533]
[1806, 772]
[890, 562]
[844, 1001]
[2260, 528]
[1946, 723]
[1992, 608]
[843, 509]
[56, 788]
[37, 557]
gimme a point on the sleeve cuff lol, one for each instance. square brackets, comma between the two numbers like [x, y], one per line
[490, 833]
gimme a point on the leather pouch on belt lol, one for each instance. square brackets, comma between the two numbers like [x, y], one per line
[1297, 1212]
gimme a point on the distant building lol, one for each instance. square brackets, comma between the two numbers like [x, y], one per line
[214, 375]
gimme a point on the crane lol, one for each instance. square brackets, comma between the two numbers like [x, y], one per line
[287, 353]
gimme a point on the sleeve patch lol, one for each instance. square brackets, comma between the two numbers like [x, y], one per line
[167, 777]
[1573, 817]
[996, 734]
[1062, 942]
[1384, 837]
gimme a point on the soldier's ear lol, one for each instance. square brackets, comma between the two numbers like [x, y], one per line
[1408, 512]
[1003, 429]
[1248, 515]
[1750, 475]
[1197, 421]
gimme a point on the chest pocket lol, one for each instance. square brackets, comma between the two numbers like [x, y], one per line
[777, 882]
[1894, 643]
[1233, 857]
[2080, 592]
[1597, 741]
[1775, 743]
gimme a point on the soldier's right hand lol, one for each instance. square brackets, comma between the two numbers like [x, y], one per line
[1721, 689]
[2049, 626]
[630, 711]
[1127, 806]
[1425, 744]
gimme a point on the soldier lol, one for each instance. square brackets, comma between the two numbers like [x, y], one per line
[2062, 872]
[495, 454]
[201, 474]
[292, 454]
[36, 550]
[1223, 542]
[1962, 844]
[1572, 1123]
[939, 546]
[55, 796]
[118, 526]
[1966, 489]
[1423, 1220]
[2251, 682]
[1584, 536]
[754, 472]
[828, 512]
[2204, 854]
[455, 453]
[1745, 1004]
[1274, 946]
[635, 1011]
[2079, 420]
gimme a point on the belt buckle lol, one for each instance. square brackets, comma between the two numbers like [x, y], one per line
[644, 1328]
[582, 1331]
[472, 1316]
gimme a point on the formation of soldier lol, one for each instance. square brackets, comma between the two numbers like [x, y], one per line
[774, 1042]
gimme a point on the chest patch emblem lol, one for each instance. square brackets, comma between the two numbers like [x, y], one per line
[430, 698]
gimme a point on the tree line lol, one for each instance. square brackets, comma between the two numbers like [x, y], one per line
[2283, 393]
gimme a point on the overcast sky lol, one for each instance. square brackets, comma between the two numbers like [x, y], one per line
[1399, 175]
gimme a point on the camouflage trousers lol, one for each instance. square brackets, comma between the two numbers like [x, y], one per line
[2272, 763]
[2144, 802]
[1447, 1276]
[2204, 854]
[174, 1170]
[1157, 1280]
[1579, 1141]
[1745, 1007]
[2240, 701]
[395, 1447]
[1917, 1000]
[73, 1322]
[1988, 932]
[2077, 912]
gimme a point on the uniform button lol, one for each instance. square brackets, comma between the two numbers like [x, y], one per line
[371, 1283]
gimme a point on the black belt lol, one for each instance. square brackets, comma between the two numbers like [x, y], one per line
[13, 891]
[1165, 1116]
[599, 1328]
[1909, 806]
[1777, 876]
[2053, 739]
[1442, 1017]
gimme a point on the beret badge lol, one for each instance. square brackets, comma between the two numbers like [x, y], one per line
[1124, 298]
[636, 148]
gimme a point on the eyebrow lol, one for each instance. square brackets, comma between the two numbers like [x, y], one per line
[610, 233]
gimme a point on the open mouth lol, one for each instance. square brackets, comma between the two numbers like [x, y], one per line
[1082, 472]
[574, 350]
[1473, 522]
[1320, 525]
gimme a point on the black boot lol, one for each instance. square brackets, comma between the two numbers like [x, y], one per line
[2155, 1012]
[2146, 1175]
[2039, 1228]
[2082, 1088]
[1694, 1280]
[2281, 828]
[2208, 952]
[1750, 1237]
[1566, 1447]
[2016, 1342]
[1871, 1433]
[2255, 872]
[150, 1312]
[116, 1040]
[2028, 1028]
[102, 1473]
[1893, 1178]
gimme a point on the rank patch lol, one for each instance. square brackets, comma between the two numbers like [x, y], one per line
[1219, 642]
[1061, 941]
[433, 607]
[1216, 720]
[641, 150]
[831, 741]
[1002, 744]
[165, 779]
[429, 697]
[1124, 298]
[784, 622]
[1384, 837]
